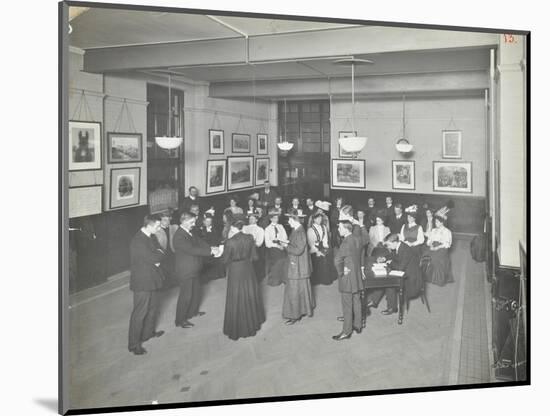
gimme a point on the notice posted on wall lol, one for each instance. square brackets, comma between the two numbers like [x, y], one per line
[85, 200]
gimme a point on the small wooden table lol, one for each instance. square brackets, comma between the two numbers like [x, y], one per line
[372, 282]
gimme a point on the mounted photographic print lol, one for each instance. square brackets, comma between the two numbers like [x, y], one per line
[240, 143]
[452, 144]
[403, 174]
[124, 147]
[262, 143]
[342, 152]
[239, 172]
[452, 177]
[215, 176]
[216, 142]
[348, 173]
[84, 145]
[262, 171]
[125, 184]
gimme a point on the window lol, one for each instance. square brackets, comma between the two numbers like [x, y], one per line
[307, 125]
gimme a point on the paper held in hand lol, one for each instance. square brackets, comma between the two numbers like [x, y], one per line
[220, 251]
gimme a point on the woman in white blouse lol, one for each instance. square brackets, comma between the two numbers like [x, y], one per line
[274, 235]
[411, 233]
[439, 243]
[377, 233]
[323, 271]
[258, 233]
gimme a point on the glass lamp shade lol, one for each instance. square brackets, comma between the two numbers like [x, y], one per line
[403, 146]
[285, 146]
[168, 143]
[353, 144]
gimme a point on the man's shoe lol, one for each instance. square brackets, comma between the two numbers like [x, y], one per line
[186, 324]
[291, 321]
[388, 311]
[341, 336]
[340, 318]
[138, 350]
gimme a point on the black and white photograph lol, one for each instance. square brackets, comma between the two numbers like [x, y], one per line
[403, 174]
[240, 143]
[217, 145]
[452, 176]
[124, 147]
[300, 267]
[240, 172]
[85, 145]
[348, 173]
[125, 187]
[215, 176]
[262, 171]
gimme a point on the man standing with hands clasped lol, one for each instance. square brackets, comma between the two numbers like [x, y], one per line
[348, 264]
[189, 251]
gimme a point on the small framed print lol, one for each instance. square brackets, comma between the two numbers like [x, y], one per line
[215, 176]
[262, 171]
[216, 142]
[262, 143]
[85, 200]
[240, 143]
[452, 144]
[84, 145]
[125, 185]
[124, 147]
[341, 134]
[452, 177]
[403, 175]
[239, 172]
[348, 173]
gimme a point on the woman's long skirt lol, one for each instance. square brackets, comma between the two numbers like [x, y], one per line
[298, 299]
[259, 264]
[277, 266]
[244, 309]
[438, 270]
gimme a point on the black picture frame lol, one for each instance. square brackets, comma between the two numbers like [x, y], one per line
[262, 150]
[97, 164]
[411, 164]
[235, 159]
[112, 206]
[258, 181]
[467, 166]
[234, 139]
[113, 135]
[209, 164]
[361, 163]
[212, 149]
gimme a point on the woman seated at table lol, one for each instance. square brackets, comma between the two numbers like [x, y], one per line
[377, 233]
[276, 258]
[323, 271]
[440, 239]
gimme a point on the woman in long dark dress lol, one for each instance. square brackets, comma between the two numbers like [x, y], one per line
[244, 310]
[275, 256]
[440, 239]
[323, 270]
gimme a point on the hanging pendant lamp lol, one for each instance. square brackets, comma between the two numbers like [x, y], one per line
[284, 145]
[403, 145]
[169, 142]
[353, 144]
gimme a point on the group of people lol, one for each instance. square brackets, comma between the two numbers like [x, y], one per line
[295, 246]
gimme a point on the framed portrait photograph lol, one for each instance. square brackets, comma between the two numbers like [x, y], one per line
[452, 177]
[403, 175]
[342, 152]
[239, 172]
[216, 140]
[262, 171]
[348, 173]
[240, 143]
[215, 176]
[452, 144]
[125, 184]
[124, 147]
[84, 145]
[262, 143]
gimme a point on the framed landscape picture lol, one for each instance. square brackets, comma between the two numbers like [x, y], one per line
[125, 184]
[348, 173]
[452, 177]
[240, 143]
[216, 146]
[342, 152]
[239, 172]
[215, 176]
[403, 175]
[262, 171]
[124, 147]
[84, 145]
[262, 143]
[452, 144]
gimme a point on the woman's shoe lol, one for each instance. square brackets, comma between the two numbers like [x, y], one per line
[341, 336]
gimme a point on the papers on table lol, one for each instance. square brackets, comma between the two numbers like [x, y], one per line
[397, 273]
[379, 269]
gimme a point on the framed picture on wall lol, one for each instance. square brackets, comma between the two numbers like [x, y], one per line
[262, 171]
[215, 176]
[84, 145]
[348, 173]
[240, 143]
[262, 143]
[85, 200]
[452, 144]
[124, 147]
[216, 142]
[125, 185]
[452, 177]
[239, 172]
[403, 175]
[341, 134]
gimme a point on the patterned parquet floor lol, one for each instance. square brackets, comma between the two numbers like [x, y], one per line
[201, 364]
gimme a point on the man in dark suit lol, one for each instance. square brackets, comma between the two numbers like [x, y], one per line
[189, 251]
[389, 208]
[397, 219]
[193, 198]
[145, 281]
[348, 262]
[267, 196]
